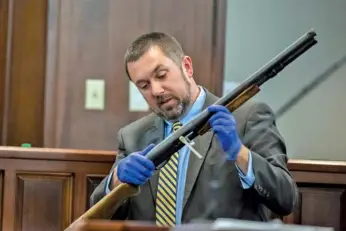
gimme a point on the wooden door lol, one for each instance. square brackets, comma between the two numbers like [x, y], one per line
[22, 70]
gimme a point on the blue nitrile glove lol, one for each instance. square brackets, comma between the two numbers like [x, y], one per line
[136, 169]
[224, 125]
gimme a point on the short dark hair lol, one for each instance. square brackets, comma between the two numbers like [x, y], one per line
[168, 44]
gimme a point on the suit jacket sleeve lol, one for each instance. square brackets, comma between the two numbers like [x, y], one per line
[100, 191]
[273, 183]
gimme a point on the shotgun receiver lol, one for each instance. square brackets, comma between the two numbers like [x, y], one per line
[161, 153]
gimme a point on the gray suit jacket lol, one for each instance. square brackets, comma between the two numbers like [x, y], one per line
[273, 189]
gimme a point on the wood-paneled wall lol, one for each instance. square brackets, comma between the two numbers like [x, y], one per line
[47, 189]
[48, 48]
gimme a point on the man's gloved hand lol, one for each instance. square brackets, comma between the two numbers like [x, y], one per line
[136, 169]
[224, 125]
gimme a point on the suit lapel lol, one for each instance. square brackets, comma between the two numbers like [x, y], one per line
[202, 145]
[155, 134]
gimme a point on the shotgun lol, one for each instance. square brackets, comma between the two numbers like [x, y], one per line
[161, 153]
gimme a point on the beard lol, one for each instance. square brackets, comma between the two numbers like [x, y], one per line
[172, 113]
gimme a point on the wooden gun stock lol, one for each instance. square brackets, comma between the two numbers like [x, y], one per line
[107, 206]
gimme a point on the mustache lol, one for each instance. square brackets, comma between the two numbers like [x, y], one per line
[163, 98]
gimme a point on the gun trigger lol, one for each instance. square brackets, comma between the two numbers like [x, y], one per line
[189, 144]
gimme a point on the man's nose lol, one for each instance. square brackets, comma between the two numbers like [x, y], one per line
[156, 88]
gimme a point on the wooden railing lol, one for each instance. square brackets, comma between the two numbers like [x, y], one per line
[322, 187]
[46, 189]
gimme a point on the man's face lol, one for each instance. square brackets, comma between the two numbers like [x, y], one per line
[165, 85]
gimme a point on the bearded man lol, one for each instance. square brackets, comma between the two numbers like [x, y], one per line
[243, 155]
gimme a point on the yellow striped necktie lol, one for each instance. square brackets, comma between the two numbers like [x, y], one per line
[167, 190]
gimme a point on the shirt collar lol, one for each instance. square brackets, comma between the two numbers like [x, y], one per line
[195, 109]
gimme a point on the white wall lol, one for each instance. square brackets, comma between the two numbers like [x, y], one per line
[315, 128]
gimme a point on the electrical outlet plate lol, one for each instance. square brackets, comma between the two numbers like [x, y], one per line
[94, 94]
[136, 101]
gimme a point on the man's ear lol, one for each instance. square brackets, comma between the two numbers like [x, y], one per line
[187, 66]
